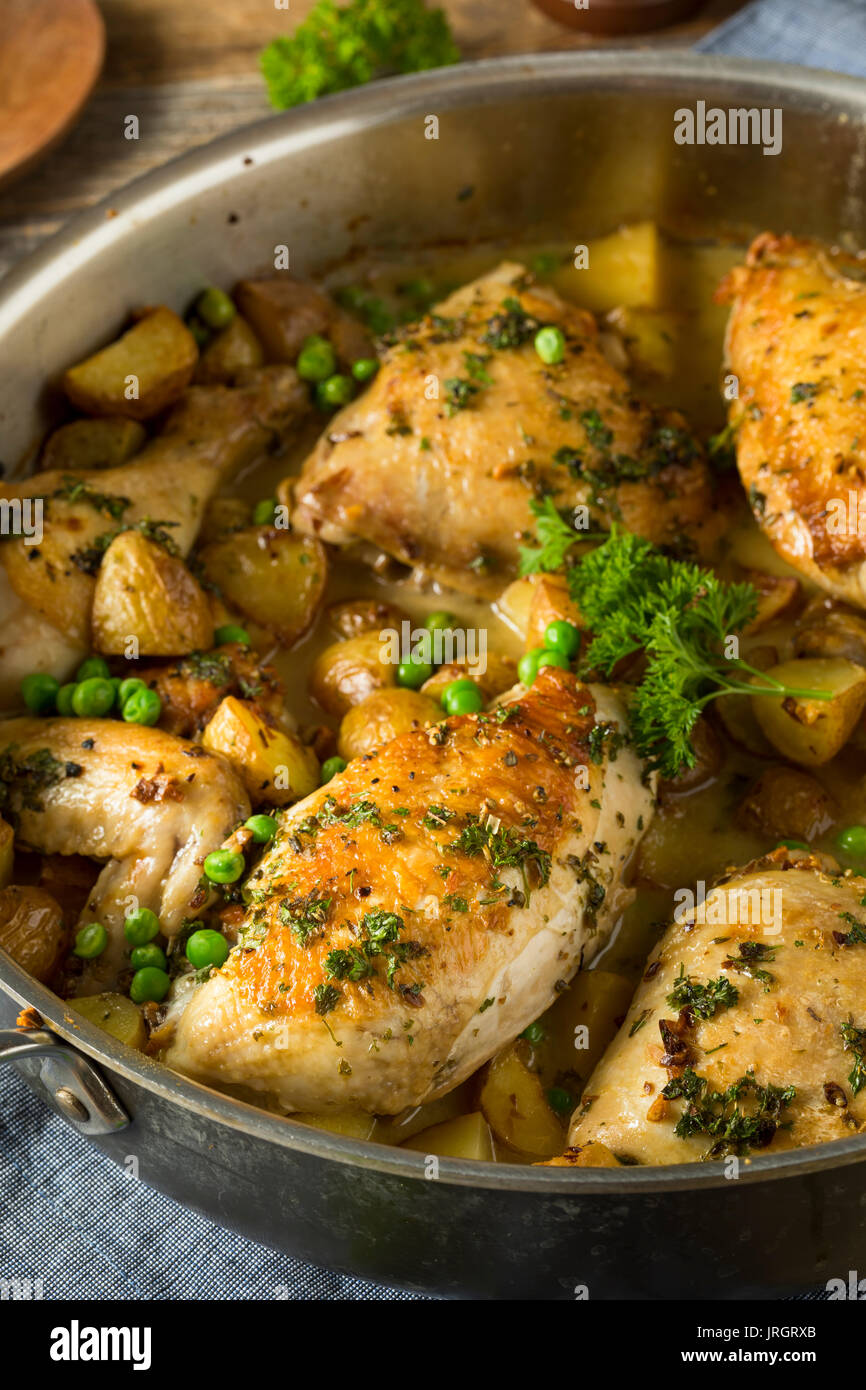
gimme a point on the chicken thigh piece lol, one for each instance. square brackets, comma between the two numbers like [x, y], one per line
[211, 433]
[465, 424]
[423, 907]
[796, 342]
[748, 1030]
[151, 805]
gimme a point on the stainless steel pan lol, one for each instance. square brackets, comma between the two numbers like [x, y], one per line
[566, 144]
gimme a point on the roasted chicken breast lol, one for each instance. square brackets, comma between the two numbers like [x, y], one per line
[464, 424]
[796, 342]
[423, 907]
[748, 1030]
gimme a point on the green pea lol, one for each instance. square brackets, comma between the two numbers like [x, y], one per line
[264, 828]
[550, 345]
[142, 707]
[39, 692]
[92, 698]
[853, 839]
[561, 636]
[149, 985]
[224, 865]
[231, 632]
[330, 768]
[199, 330]
[93, 666]
[550, 657]
[130, 686]
[264, 511]
[150, 955]
[141, 926]
[365, 368]
[545, 263]
[413, 673]
[64, 699]
[215, 307]
[90, 941]
[527, 666]
[792, 844]
[534, 1033]
[317, 360]
[559, 1100]
[461, 697]
[336, 391]
[440, 621]
[206, 947]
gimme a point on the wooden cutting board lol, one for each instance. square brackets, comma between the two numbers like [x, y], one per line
[51, 53]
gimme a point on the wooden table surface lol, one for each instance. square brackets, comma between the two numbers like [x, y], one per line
[188, 69]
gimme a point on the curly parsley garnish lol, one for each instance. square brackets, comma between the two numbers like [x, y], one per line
[703, 1001]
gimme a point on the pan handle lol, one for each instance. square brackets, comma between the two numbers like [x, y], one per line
[68, 1082]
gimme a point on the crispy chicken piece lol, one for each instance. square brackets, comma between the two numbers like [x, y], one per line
[797, 1019]
[443, 482]
[796, 341]
[423, 907]
[153, 806]
[211, 433]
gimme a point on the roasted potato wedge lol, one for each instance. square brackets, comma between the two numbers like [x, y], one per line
[144, 592]
[785, 803]
[232, 351]
[382, 716]
[776, 597]
[587, 1156]
[467, 1136]
[827, 628]
[650, 338]
[515, 602]
[623, 268]
[499, 676]
[223, 516]
[345, 673]
[32, 930]
[7, 852]
[550, 601]
[811, 732]
[85, 444]
[516, 1109]
[356, 616]
[140, 373]
[273, 578]
[579, 1026]
[115, 1014]
[354, 1124]
[283, 312]
[275, 766]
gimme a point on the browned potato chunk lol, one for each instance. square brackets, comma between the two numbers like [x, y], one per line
[233, 350]
[140, 373]
[515, 603]
[32, 930]
[274, 579]
[345, 673]
[807, 731]
[275, 766]
[223, 515]
[587, 1156]
[115, 1014]
[776, 596]
[102, 443]
[354, 1124]
[352, 618]
[579, 1026]
[827, 628]
[7, 852]
[283, 312]
[516, 1108]
[650, 338]
[550, 600]
[145, 593]
[785, 803]
[467, 1136]
[381, 717]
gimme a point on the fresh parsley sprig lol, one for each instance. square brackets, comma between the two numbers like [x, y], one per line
[340, 46]
[635, 599]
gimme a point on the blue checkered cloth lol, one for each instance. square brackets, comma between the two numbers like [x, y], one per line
[66, 1215]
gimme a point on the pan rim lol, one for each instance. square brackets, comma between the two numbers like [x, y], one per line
[87, 234]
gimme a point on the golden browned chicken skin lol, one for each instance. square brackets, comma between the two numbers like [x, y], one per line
[420, 909]
[796, 342]
[437, 462]
[766, 987]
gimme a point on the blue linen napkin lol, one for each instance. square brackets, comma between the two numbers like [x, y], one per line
[67, 1216]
